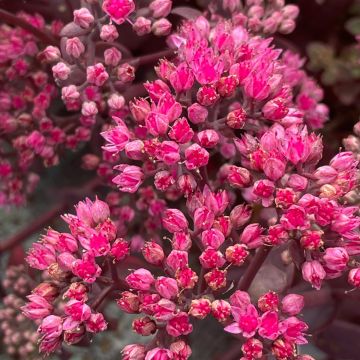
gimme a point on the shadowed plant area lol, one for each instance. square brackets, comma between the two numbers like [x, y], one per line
[179, 179]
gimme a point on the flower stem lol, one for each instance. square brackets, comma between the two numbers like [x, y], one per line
[250, 273]
[102, 295]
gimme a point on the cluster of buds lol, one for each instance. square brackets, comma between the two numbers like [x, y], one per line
[71, 262]
[19, 336]
[260, 16]
[27, 90]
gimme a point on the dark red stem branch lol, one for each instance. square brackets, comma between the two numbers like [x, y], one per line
[35, 226]
[253, 268]
[150, 58]
[45, 37]
[101, 297]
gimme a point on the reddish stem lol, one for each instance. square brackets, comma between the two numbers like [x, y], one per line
[35, 226]
[150, 58]
[253, 268]
[45, 37]
[102, 295]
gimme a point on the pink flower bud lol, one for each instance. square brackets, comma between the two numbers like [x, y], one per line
[181, 131]
[336, 259]
[181, 78]
[252, 348]
[128, 302]
[251, 236]
[46, 290]
[200, 308]
[314, 273]
[297, 182]
[61, 71]
[268, 302]
[197, 114]
[112, 56]
[37, 307]
[160, 8]
[275, 109]
[109, 33]
[295, 218]
[180, 350]
[161, 27]
[211, 258]
[89, 108]
[144, 326]
[179, 325]
[240, 215]
[164, 310]
[236, 118]
[221, 310]
[96, 323]
[174, 220]
[51, 326]
[195, 157]
[213, 238]
[157, 124]
[83, 18]
[208, 138]
[236, 254]
[50, 54]
[77, 310]
[207, 96]
[186, 278]
[274, 169]
[74, 47]
[287, 26]
[186, 184]
[70, 93]
[216, 279]
[153, 253]
[130, 178]
[292, 304]
[203, 218]
[140, 279]
[76, 291]
[125, 73]
[142, 26]
[177, 259]
[166, 287]
[133, 352]
[118, 10]
[96, 74]
[226, 86]
[238, 177]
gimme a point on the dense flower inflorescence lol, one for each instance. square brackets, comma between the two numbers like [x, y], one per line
[213, 168]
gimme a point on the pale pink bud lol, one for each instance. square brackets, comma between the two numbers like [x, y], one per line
[274, 169]
[61, 71]
[83, 18]
[116, 101]
[89, 108]
[314, 273]
[200, 308]
[47, 290]
[153, 253]
[142, 26]
[109, 33]
[139, 108]
[240, 215]
[208, 138]
[112, 56]
[335, 259]
[50, 54]
[161, 27]
[125, 73]
[174, 220]
[251, 236]
[70, 93]
[96, 74]
[96, 323]
[74, 47]
[195, 157]
[160, 8]
[287, 26]
[236, 254]
[211, 258]
[166, 287]
[100, 211]
[140, 279]
[297, 182]
[130, 178]
[238, 177]
[177, 259]
[197, 114]
[292, 304]
[133, 352]
[213, 238]
[186, 278]
[180, 350]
